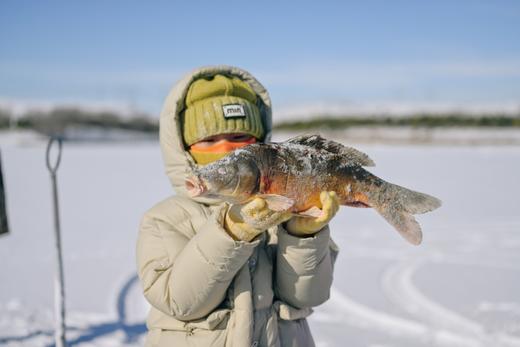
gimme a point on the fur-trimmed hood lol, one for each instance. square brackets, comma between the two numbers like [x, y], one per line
[177, 160]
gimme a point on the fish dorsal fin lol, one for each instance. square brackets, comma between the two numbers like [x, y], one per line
[348, 153]
[277, 202]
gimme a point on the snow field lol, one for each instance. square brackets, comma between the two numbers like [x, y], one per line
[459, 288]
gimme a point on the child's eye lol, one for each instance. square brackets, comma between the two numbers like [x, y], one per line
[239, 138]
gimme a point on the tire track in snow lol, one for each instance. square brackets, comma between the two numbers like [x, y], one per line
[398, 285]
[359, 315]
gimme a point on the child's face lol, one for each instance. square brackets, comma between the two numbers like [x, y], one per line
[215, 147]
[223, 143]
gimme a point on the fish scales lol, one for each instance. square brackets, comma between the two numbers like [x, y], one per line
[302, 174]
[292, 174]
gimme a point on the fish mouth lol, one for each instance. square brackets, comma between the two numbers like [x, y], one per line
[194, 186]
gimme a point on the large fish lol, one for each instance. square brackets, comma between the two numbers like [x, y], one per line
[290, 175]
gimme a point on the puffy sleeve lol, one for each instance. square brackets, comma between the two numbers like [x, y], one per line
[185, 259]
[304, 268]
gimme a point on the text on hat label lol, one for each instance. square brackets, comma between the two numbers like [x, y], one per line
[233, 110]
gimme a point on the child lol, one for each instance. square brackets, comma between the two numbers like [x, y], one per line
[211, 278]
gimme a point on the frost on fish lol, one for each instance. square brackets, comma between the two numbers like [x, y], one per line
[292, 174]
[348, 154]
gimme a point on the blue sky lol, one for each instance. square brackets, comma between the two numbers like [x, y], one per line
[365, 52]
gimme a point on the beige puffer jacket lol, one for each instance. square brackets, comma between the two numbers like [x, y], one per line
[207, 289]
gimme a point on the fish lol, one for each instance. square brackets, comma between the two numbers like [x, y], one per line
[291, 175]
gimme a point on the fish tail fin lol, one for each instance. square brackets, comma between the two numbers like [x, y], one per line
[404, 223]
[398, 205]
[415, 202]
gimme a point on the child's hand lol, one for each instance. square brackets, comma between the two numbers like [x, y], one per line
[302, 226]
[245, 222]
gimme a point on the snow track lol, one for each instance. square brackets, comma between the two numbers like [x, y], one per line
[397, 283]
[399, 327]
[356, 314]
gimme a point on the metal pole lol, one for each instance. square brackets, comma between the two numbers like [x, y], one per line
[4, 226]
[59, 285]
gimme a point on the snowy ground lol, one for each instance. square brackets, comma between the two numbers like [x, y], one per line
[461, 287]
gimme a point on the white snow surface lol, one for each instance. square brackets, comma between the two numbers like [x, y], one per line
[459, 288]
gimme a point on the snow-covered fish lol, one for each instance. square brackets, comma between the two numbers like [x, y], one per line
[290, 175]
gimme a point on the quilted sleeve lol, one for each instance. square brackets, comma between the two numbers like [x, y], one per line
[185, 259]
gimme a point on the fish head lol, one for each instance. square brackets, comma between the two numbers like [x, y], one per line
[234, 178]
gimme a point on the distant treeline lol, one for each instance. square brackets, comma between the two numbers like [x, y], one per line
[421, 120]
[57, 121]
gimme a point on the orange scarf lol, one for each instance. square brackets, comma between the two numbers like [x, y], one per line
[207, 154]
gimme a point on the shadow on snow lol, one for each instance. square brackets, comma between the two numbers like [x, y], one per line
[131, 331]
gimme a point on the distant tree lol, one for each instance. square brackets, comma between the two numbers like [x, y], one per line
[56, 121]
[5, 118]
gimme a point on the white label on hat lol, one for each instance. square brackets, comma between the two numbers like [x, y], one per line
[233, 111]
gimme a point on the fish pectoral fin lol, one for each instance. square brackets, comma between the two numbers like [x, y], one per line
[277, 202]
[313, 212]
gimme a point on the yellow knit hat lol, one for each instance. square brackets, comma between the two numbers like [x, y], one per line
[220, 105]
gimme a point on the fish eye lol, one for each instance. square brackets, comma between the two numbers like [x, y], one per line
[226, 173]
